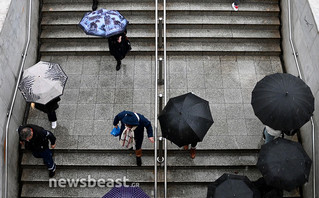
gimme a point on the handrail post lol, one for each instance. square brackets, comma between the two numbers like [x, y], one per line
[160, 73]
[160, 30]
[160, 103]
[160, 158]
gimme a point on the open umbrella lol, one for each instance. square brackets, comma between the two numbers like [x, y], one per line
[103, 23]
[282, 101]
[126, 192]
[284, 164]
[230, 186]
[185, 119]
[42, 82]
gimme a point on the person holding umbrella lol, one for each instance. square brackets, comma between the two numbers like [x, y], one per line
[132, 131]
[193, 149]
[119, 46]
[108, 24]
[269, 134]
[95, 4]
[230, 185]
[267, 191]
[185, 120]
[284, 164]
[36, 139]
[49, 109]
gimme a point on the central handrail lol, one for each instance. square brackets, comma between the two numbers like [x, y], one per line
[165, 93]
[311, 119]
[155, 108]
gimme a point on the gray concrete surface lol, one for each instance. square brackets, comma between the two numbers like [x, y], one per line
[305, 38]
[13, 36]
[95, 92]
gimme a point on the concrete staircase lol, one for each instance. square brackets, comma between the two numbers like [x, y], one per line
[214, 52]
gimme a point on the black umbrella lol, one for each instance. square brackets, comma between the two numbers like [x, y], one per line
[282, 101]
[185, 119]
[230, 186]
[284, 164]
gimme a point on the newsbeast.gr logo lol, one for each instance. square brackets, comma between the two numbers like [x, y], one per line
[89, 182]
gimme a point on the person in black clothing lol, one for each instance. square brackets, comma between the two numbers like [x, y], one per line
[36, 139]
[94, 5]
[267, 191]
[119, 45]
[49, 109]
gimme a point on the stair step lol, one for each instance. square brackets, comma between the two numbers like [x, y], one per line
[181, 158]
[186, 17]
[73, 18]
[87, 7]
[147, 45]
[105, 142]
[170, 6]
[138, 174]
[173, 18]
[175, 190]
[143, 1]
[75, 32]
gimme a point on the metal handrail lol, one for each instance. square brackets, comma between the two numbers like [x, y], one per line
[311, 119]
[24, 55]
[165, 93]
[155, 109]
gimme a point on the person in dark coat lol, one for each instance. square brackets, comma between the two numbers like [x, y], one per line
[36, 139]
[119, 45]
[132, 131]
[267, 191]
[49, 109]
[95, 4]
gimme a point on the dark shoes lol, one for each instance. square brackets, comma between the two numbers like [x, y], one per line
[52, 172]
[118, 65]
[138, 161]
[95, 4]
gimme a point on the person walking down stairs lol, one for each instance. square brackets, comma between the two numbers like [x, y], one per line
[36, 139]
[49, 109]
[192, 150]
[132, 131]
[119, 46]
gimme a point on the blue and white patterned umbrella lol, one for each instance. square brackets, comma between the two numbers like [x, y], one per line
[126, 192]
[42, 82]
[103, 23]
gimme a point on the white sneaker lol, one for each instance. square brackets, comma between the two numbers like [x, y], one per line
[54, 124]
[235, 7]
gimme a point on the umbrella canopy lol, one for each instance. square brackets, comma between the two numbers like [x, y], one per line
[103, 23]
[42, 82]
[284, 164]
[185, 119]
[230, 186]
[126, 192]
[282, 101]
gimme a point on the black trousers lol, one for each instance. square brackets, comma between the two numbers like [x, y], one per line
[52, 116]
